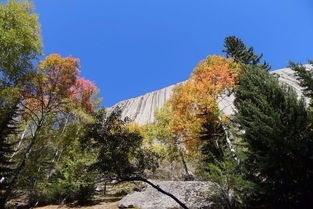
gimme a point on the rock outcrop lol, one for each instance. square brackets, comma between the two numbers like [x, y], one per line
[141, 109]
[192, 193]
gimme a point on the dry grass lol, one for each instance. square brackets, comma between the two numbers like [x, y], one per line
[100, 202]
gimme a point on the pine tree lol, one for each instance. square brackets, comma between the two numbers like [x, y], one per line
[277, 128]
[235, 48]
[8, 125]
[305, 77]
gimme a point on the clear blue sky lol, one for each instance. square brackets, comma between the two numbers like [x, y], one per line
[130, 47]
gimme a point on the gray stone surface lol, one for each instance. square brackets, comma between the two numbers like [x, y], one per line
[141, 109]
[191, 193]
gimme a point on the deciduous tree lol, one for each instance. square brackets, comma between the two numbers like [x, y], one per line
[195, 101]
[54, 90]
[20, 40]
[120, 155]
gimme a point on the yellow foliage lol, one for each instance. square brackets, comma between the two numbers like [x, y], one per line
[142, 130]
[195, 101]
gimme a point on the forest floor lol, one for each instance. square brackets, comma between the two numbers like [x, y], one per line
[99, 202]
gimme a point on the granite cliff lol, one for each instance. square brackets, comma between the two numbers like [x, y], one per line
[141, 109]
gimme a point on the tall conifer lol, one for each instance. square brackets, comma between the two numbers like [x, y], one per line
[305, 78]
[235, 48]
[8, 125]
[277, 129]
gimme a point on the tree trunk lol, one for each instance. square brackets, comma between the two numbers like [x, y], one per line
[157, 188]
[229, 137]
[105, 188]
[19, 144]
[183, 161]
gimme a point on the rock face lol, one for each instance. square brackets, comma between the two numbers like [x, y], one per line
[141, 109]
[192, 193]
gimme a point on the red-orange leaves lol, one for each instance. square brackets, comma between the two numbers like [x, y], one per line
[59, 75]
[82, 93]
[57, 83]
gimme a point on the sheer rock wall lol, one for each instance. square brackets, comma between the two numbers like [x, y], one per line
[141, 109]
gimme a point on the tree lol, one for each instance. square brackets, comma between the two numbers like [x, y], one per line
[20, 40]
[235, 48]
[120, 155]
[194, 102]
[20, 47]
[57, 169]
[56, 85]
[161, 134]
[305, 77]
[277, 129]
[70, 178]
[54, 89]
[8, 127]
[230, 188]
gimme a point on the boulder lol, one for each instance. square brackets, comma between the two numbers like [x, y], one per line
[192, 193]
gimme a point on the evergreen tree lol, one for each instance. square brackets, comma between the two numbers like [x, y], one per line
[221, 164]
[8, 125]
[277, 129]
[235, 48]
[305, 77]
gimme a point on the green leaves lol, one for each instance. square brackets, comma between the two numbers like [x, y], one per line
[230, 188]
[20, 39]
[119, 151]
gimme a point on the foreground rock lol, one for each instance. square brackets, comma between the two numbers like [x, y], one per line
[192, 193]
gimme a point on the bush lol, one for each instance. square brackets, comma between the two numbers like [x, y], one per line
[71, 189]
[230, 188]
[72, 181]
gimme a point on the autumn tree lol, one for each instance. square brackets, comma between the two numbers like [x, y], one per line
[55, 90]
[195, 102]
[171, 150]
[56, 85]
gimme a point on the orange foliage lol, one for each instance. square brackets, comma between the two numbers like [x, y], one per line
[195, 101]
[57, 82]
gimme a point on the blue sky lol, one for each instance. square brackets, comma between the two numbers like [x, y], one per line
[130, 47]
